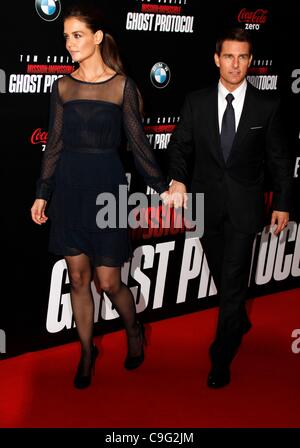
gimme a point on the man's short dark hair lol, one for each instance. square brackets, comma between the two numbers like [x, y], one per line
[237, 34]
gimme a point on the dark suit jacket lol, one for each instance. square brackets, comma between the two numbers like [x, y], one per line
[237, 187]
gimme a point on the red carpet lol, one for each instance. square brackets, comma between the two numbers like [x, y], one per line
[169, 389]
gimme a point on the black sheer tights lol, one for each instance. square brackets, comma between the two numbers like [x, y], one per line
[123, 301]
[80, 275]
[109, 278]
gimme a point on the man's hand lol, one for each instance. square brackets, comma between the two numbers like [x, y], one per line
[177, 195]
[280, 219]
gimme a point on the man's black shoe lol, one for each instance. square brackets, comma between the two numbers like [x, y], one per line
[218, 378]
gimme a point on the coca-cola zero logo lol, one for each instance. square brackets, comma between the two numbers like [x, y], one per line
[39, 137]
[252, 19]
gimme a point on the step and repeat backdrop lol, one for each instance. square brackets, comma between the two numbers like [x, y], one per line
[167, 47]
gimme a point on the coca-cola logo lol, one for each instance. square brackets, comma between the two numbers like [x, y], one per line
[39, 136]
[258, 16]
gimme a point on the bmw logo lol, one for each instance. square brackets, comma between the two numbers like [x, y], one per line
[48, 10]
[160, 75]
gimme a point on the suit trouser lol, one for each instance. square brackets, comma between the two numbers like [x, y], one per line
[228, 253]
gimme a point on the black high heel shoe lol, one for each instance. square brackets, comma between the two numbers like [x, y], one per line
[83, 381]
[133, 362]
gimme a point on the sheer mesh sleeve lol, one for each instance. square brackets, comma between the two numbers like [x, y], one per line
[53, 147]
[143, 155]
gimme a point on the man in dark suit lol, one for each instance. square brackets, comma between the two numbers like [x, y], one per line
[232, 130]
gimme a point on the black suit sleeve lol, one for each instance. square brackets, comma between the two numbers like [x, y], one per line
[181, 145]
[279, 162]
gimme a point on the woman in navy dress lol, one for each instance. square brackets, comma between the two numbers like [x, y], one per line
[89, 110]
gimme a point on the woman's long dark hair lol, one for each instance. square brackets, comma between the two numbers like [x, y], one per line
[94, 20]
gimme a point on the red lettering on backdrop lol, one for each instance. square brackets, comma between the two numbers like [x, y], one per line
[39, 136]
[258, 16]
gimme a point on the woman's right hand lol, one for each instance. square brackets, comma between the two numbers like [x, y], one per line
[38, 211]
[177, 194]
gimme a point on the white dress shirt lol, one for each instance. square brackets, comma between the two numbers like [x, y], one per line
[237, 103]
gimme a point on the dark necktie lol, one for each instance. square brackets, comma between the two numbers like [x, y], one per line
[228, 127]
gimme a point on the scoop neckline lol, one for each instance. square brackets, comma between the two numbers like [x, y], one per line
[90, 82]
